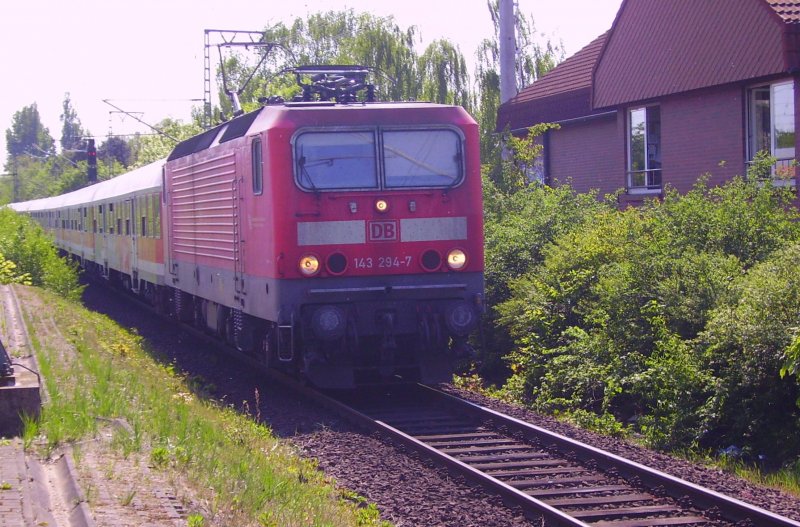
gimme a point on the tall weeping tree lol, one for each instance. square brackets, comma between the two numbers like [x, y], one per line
[533, 60]
[334, 37]
[444, 75]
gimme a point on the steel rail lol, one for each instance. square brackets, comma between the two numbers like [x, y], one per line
[729, 508]
[528, 503]
[717, 505]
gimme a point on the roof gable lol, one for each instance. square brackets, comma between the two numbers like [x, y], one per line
[788, 10]
[658, 47]
[563, 93]
[573, 73]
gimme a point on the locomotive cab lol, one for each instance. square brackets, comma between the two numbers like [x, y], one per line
[388, 249]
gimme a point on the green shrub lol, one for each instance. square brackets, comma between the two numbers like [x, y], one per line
[607, 317]
[746, 345]
[24, 242]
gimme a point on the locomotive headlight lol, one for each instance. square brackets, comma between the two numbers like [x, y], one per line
[456, 259]
[309, 265]
[381, 205]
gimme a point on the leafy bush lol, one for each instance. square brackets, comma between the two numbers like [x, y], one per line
[606, 317]
[518, 227]
[24, 242]
[745, 347]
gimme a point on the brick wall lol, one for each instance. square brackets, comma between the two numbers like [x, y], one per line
[703, 132]
[590, 154]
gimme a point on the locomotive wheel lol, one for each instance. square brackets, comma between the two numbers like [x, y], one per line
[425, 332]
[199, 318]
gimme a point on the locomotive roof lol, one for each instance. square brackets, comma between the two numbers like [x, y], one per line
[143, 178]
[240, 126]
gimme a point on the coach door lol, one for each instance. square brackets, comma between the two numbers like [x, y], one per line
[101, 244]
[130, 232]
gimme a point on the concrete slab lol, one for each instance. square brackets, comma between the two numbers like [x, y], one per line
[21, 396]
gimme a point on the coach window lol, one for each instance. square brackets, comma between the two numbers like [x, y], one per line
[336, 160]
[151, 215]
[422, 158]
[157, 216]
[258, 175]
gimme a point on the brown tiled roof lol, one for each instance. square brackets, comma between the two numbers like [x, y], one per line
[566, 91]
[572, 74]
[562, 94]
[788, 10]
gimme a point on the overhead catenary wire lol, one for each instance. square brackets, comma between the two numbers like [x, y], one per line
[131, 115]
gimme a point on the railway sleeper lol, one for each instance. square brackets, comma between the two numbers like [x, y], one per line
[626, 512]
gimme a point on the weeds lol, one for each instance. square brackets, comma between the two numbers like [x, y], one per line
[30, 430]
[244, 474]
[127, 499]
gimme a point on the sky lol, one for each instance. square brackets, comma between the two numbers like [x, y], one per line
[146, 57]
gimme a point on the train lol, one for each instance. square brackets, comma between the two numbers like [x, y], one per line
[333, 236]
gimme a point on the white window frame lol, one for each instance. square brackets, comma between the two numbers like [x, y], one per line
[785, 157]
[650, 173]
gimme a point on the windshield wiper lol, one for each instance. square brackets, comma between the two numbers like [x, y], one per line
[304, 172]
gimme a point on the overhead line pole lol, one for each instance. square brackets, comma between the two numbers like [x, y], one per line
[508, 51]
[224, 38]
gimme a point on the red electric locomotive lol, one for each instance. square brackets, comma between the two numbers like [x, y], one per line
[339, 238]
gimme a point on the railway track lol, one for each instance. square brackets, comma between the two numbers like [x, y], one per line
[566, 482]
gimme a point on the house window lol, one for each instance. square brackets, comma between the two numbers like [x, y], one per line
[644, 149]
[771, 127]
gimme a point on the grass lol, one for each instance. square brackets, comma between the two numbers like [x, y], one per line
[248, 476]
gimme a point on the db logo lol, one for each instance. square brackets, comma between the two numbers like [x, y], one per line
[382, 231]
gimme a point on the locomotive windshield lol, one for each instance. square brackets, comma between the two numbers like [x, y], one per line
[405, 158]
[336, 160]
[427, 158]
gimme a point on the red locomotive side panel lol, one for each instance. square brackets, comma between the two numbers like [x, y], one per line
[203, 208]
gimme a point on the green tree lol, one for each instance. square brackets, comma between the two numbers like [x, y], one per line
[444, 74]
[114, 149]
[611, 323]
[347, 37]
[149, 148]
[35, 258]
[534, 59]
[28, 136]
[72, 133]
[755, 405]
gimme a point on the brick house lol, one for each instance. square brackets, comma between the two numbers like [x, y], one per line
[675, 89]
